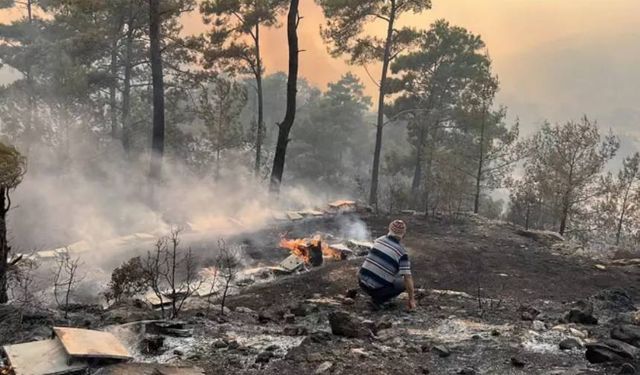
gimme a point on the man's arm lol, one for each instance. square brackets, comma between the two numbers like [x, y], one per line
[408, 286]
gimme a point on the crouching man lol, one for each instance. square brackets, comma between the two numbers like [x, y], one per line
[386, 272]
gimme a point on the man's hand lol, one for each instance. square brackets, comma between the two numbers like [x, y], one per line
[411, 304]
[408, 285]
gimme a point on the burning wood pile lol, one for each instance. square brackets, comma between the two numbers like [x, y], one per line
[312, 252]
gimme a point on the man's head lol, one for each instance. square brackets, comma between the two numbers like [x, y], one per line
[398, 229]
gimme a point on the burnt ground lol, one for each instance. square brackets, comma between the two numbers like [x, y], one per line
[499, 270]
[475, 278]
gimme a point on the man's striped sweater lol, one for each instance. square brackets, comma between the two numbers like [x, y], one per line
[386, 261]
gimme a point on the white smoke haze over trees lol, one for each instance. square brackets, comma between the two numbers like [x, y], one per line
[80, 101]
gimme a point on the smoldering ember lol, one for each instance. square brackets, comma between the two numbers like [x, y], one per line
[319, 187]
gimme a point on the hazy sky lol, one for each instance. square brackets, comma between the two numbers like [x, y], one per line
[556, 59]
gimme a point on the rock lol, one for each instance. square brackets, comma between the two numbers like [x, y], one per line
[627, 368]
[320, 337]
[300, 310]
[233, 344]
[360, 352]
[610, 351]
[627, 333]
[348, 301]
[518, 362]
[528, 312]
[295, 331]
[314, 357]
[324, 367]
[345, 325]
[265, 318]
[351, 293]
[614, 299]
[538, 325]
[467, 371]
[219, 344]
[384, 324]
[631, 317]
[152, 345]
[582, 313]
[570, 343]
[441, 350]
[546, 237]
[244, 310]
[264, 357]
[289, 318]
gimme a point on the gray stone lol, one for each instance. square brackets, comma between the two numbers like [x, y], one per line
[324, 367]
[264, 357]
[441, 351]
[627, 333]
[538, 325]
[582, 313]
[610, 351]
[518, 361]
[627, 368]
[345, 325]
[570, 343]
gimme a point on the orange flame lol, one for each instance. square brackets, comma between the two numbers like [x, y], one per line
[300, 248]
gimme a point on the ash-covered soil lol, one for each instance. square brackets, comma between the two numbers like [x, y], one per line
[477, 281]
[490, 301]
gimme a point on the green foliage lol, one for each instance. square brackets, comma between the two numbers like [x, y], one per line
[332, 133]
[565, 162]
[13, 166]
[345, 29]
[234, 23]
[127, 281]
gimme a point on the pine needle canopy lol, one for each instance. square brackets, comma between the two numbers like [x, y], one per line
[13, 166]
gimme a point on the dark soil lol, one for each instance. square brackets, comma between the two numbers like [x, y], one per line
[499, 269]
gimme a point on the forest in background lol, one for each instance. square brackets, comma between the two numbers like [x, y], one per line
[103, 96]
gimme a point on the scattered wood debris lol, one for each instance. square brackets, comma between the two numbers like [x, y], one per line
[84, 343]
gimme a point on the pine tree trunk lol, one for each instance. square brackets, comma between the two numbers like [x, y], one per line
[292, 82]
[157, 140]
[476, 203]
[113, 104]
[4, 246]
[29, 131]
[126, 89]
[623, 212]
[417, 172]
[377, 152]
[259, 132]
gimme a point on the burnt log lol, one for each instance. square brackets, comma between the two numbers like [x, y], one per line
[315, 254]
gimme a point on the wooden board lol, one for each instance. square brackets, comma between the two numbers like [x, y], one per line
[46, 357]
[148, 369]
[84, 343]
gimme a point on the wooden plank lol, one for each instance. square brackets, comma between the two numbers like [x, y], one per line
[84, 343]
[148, 369]
[46, 357]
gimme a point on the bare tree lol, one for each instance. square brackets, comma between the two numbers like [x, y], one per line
[66, 278]
[21, 280]
[228, 264]
[154, 265]
[172, 272]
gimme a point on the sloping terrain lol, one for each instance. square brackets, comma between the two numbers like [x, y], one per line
[476, 279]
